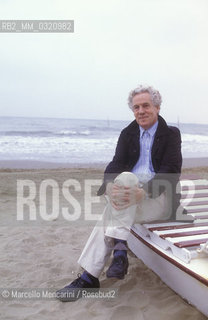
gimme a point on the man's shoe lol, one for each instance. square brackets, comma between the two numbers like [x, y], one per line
[76, 289]
[118, 267]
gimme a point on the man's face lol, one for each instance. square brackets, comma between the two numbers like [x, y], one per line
[146, 114]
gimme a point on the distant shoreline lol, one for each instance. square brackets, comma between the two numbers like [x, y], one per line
[33, 164]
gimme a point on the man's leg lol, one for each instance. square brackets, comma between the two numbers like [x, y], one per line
[93, 259]
[110, 233]
[97, 249]
[112, 230]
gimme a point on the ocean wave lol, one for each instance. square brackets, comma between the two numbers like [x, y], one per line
[82, 131]
[20, 133]
[73, 133]
[195, 138]
[45, 133]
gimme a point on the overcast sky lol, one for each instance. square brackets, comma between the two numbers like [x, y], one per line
[116, 45]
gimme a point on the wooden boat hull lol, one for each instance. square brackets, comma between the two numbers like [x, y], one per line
[175, 273]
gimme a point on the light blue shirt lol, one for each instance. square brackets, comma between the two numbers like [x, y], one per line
[144, 168]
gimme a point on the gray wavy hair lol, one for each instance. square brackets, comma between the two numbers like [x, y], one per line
[154, 94]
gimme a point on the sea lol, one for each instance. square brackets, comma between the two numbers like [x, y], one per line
[79, 141]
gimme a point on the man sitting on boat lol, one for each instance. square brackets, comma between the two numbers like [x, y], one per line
[148, 152]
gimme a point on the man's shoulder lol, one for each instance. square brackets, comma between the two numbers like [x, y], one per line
[164, 128]
[131, 128]
[173, 129]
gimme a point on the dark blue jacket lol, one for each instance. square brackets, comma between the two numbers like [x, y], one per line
[166, 156]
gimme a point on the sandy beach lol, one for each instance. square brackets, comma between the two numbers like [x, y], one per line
[42, 254]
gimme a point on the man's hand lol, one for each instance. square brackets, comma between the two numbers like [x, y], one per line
[123, 197]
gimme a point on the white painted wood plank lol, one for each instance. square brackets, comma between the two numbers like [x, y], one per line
[180, 230]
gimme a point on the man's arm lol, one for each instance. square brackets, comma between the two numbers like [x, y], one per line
[118, 164]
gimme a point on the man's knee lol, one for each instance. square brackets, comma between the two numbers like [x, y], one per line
[127, 179]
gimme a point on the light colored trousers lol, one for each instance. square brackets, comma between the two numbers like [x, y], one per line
[117, 224]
